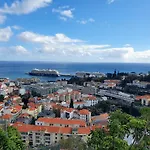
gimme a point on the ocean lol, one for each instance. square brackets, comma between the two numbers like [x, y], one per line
[17, 69]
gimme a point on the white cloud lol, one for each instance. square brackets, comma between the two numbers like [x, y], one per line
[5, 34]
[64, 11]
[19, 50]
[110, 1]
[86, 21]
[2, 19]
[15, 53]
[67, 13]
[42, 39]
[24, 6]
[82, 21]
[64, 7]
[127, 45]
[63, 18]
[91, 20]
[61, 46]
[16, 27]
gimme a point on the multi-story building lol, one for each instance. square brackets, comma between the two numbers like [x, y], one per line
[33, 109]
[139, 84]
[14, 111]
[47, 135]
[25, 118]
[101, 119]
[67, 113]
[59, 122]
[85, 115]
[64, 95]
[89, 100]
[43, 88]
[145, 99]
[7, 118]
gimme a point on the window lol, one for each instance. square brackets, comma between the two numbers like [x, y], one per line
[48, 142]
[46, 134]
[47, 139]
[37, 137]
[24, 133]
[37, 141]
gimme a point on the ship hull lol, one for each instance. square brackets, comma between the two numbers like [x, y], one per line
[40, 74]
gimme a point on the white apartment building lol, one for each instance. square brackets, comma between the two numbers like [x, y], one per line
[47, 135]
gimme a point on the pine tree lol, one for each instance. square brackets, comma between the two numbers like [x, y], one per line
[71, 104]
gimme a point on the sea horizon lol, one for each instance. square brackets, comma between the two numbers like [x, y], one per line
[18, 69]
[46, 61]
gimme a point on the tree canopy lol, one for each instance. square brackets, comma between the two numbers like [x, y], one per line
[1, 98]
[122, 126]
[71, 104]
[10, 140]
[73, 143]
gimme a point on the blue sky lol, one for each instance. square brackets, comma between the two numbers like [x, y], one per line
[75, 30]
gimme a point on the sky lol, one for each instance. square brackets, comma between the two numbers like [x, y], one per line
[75, 30]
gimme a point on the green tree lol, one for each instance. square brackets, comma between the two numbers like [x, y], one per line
[11, 140]
[71, 104]
[73, 143]
[57, 112]
[3, 140]
[1, 98]
[122, 125]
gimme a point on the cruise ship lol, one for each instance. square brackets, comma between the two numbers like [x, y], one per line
[44, 72]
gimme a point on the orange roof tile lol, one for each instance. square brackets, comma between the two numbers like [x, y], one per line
[85, 130]
[32, 109]
[75, 92]
[147, 97]
[112, 81]
[92, 98]
[51, 96]
[1, 107]
[1, 103]
[101, 117]
[16, 108]
[25, 115]
[79, 102]
[27, 128]
[62, 121]
[56, 106]
[7, 116]
[94, 127]
[84, 112]
[65, 130]
[68, 109]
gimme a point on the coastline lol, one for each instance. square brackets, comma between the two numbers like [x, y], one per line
[17, 69]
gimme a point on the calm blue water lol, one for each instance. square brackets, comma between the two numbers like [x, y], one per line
[15, 70]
